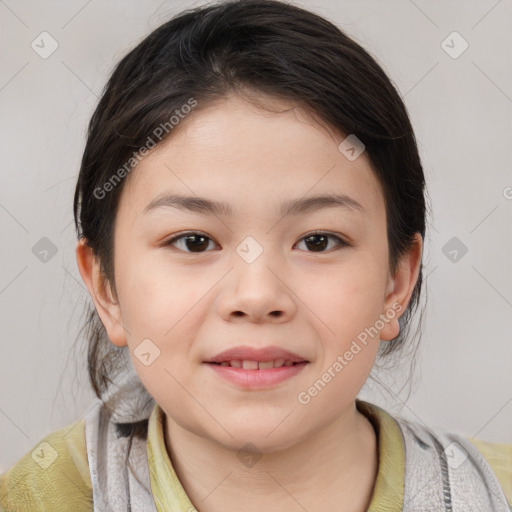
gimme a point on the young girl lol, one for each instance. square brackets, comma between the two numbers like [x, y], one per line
[250, 213]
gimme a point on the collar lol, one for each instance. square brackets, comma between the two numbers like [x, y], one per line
[388, 492]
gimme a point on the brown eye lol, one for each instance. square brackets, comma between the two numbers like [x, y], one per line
[195, 242]
[191, 242]
[318, 242]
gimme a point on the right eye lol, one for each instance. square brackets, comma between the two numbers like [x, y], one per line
[193, 240]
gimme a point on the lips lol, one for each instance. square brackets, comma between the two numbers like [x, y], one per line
[251, 369]
[249, 358]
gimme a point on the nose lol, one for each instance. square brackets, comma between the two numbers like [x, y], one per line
[257, 292]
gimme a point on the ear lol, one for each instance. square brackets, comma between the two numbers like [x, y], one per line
[106, 304]
[400, 288]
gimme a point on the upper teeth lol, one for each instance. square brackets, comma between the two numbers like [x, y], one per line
[257, 365]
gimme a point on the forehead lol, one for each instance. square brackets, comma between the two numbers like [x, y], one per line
[237, 152]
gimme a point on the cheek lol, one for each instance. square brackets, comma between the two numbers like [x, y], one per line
[159, 316]
[166, 306]
[348, 298]
[153, 294]
[345, 308]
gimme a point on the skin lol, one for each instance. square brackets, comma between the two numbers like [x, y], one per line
[194, 305]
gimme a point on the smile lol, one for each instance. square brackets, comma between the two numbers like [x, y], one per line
[257, 365]
[256, 375]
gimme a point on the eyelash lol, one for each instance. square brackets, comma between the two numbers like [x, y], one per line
[341, 241]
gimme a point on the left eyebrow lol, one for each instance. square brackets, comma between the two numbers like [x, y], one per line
[206, 206]
[314, 203]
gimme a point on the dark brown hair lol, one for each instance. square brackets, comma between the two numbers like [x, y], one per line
[250, 47]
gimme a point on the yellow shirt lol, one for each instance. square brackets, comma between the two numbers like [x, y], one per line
[64, 484]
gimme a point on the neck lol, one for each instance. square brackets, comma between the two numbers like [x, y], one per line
[334, 466]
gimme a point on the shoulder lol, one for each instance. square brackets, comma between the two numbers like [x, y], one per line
[499, 457]
[465, 461]
[54, 475]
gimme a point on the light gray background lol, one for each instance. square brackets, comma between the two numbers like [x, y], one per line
[460, 109]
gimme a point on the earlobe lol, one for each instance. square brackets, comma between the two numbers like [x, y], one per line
[106, 305]
[401, 288]
[391, 330]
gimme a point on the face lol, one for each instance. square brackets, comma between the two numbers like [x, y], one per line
[192, 282]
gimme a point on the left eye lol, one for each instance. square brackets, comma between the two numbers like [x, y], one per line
[319, 240]
[198, 242]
